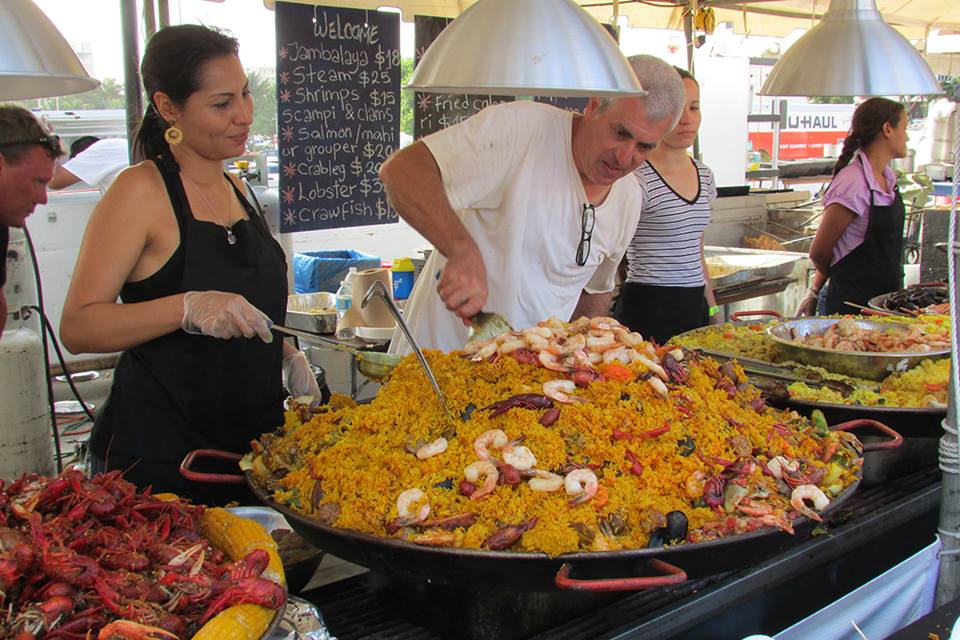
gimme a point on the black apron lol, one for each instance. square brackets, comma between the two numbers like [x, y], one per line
[874, 267]
[659, 313]
[180, 391]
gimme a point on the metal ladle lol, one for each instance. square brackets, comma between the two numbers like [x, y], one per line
[379, 290]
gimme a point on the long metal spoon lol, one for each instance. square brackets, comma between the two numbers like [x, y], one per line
[377, 289]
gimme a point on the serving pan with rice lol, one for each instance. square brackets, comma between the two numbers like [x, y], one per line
[577, 443]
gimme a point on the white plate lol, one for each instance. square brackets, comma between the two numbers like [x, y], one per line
[375, 334]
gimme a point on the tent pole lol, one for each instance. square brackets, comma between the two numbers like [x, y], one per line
[948, 582]
[163, 8]
[131, 68]
[149, 19]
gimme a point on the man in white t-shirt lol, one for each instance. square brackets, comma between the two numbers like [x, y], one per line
[526, 208]
[97, 165]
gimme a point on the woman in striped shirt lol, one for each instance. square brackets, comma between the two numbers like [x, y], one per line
[667, 290]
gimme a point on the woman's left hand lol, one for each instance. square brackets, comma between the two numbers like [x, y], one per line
[299, 378]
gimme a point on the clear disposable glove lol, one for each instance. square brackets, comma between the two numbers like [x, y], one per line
[808, 306]
[299, 378]
[223, 315]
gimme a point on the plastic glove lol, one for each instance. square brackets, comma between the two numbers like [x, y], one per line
[223, 315]
[299, 378]
[808, 306]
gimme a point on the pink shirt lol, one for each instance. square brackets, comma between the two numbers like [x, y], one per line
[851, 188]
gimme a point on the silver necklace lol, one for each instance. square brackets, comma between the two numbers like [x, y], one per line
[231, 239]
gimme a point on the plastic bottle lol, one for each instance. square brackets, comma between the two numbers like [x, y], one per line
[402, 272]
[344, 300]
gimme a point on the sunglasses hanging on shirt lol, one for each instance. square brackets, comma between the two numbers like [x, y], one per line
[587, 219]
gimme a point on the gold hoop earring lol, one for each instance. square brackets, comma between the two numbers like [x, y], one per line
[173, 135]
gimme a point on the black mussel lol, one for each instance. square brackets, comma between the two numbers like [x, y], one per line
[467, 412]
[445, 484]
[676, 529]
[686, 445]
[657, 539]
[624, 397]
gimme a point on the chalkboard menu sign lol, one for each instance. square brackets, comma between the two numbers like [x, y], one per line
[435, 111]
[338, 115]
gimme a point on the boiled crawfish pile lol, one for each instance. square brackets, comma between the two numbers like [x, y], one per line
[79, 555]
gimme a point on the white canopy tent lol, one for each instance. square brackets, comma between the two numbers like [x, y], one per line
[915, 19]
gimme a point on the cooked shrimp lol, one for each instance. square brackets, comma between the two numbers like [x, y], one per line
[544, 332]
[620, 354]
[475, 345]
[551, 362]
[431, 449]
[600, 341]
[812, 493]
[519, 457]
[652, 366]
[495, 438]
[545, 482]
[412, 506]
[509, 346]
[535, 341]
[659, 387]
[603, 322]
[581, 483]
[485, 469]
[558, 390]
[777, 464]
[573, 343]
[488, 350]
[627, 337]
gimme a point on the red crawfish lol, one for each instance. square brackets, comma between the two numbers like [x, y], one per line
[507, 536]
[248, 591]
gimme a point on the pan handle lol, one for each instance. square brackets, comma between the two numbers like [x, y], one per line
[896, 438]
[671, 576]
[210, 478]
[736, 316]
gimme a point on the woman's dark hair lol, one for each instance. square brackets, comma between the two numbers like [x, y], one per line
[173, 63]
[867, 124]
[686, 75]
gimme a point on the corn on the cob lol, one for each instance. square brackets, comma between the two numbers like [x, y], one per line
[237, 537]
[239, 622]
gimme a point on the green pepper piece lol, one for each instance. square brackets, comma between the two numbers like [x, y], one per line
[820, 423]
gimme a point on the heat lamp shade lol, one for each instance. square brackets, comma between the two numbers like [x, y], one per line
[525, 48]
[851, 52]
[35, 60]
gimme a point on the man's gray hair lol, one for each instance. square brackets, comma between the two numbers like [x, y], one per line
[664, 86]
[20, 131]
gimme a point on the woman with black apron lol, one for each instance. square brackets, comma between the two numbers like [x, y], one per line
[200, 279]
[858, 245]
[667, 289]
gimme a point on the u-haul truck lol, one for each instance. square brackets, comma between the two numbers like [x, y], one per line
[809, 127]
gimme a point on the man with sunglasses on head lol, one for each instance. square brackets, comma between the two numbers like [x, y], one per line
[526, 207]
[27, 160]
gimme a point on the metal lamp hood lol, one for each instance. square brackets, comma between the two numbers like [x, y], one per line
[525, 48]
[35, 60]
[851, 52]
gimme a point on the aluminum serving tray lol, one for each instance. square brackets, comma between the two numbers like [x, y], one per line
[300, 317]
[859, 364]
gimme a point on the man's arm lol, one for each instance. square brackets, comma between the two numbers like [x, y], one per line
[591, 305]
[414, 185]
[62, 179]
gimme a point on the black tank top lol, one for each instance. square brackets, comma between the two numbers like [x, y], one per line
[181, 392]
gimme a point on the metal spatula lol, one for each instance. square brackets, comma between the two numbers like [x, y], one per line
[486, 326]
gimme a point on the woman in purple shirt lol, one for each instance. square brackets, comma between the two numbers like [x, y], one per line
[859, 241]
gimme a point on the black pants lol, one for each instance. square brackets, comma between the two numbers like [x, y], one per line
[659, 313]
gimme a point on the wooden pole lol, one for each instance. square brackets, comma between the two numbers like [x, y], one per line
[131, 68]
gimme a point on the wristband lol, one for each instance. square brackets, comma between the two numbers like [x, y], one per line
[714, 310]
